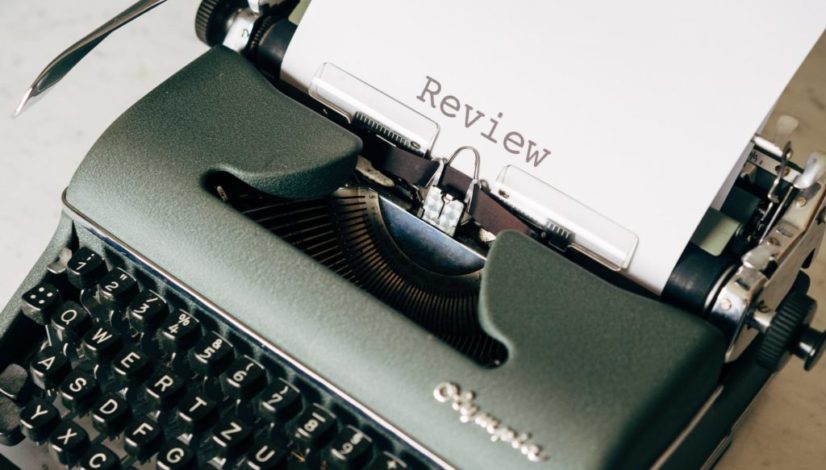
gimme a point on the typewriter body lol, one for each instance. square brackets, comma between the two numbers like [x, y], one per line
[242, 279]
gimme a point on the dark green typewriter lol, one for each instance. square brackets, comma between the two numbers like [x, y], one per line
[243, 279]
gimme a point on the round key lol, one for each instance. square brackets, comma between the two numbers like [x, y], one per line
[99, 457]
[142, 438]
[49, 367]
[71, 321]
[78, 390]
[313, 427]
[180, 332]
[40, 301]
[279, 402]
[266, 454]
[111, 414]
[38, 419]
[147, 311]
[102, 341]
[164, 389]
[117, 288]
[232, 436]
[197, 412]
[350, 449]
[132, 365]
[244, 379]
[176, 456]
[84, 268]
[211, 355]
[387, 461]
[69, 441]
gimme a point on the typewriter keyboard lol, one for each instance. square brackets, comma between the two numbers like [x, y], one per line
[127, 373]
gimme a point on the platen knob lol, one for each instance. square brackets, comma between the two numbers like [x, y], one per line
[212, 19]
[789, 332]
[809, 347]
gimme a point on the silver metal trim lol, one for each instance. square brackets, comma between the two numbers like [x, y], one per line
[718, 452]
[687, 430]
[725, 443]
[104, 234]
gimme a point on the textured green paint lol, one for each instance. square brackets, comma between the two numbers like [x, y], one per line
[600, 377]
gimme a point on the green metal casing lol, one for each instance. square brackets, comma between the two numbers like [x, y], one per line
[600, 377]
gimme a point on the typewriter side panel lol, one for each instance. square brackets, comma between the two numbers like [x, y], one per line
[13, 326]
[622, 374]
[142, 184]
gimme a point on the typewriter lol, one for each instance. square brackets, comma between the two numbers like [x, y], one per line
[243, 278]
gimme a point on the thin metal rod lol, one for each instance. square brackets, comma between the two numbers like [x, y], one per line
[63, 63]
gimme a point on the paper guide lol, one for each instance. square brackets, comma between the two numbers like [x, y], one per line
[606, 102]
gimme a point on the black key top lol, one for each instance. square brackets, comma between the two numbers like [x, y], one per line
[147, 311]
[197, 412]
[211, 355]
[40, 302]
[49, 367]
[279, 402]
[85, 268]
[164, 389]
[142, 438]
[99, 458]
[266, 455]
[387, 461]
[78, 390]
[6, 464]
[9, 422]
[350, 449]
[180, 332]
[313, 427]
[15, 383]
[244, 378]
[111, 414]
[176, 456]
[38, 419]
[102, 341]
[71, 321]
[232, 435]
[69, 442]
[132, 365]
[117, 288]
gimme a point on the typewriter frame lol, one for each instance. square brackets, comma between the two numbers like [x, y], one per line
[207, 99]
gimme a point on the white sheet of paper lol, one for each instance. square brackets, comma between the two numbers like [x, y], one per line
[641, 109]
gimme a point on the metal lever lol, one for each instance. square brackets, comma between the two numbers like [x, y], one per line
[439, 208]
[63, 63]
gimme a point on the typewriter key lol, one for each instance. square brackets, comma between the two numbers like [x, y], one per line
[69, 442]
[147, 311]
[99, 458]
[111, 414]
[85, 268]
[117, 288]
[40, 301]
[266, 455]
[78, 390]
[38, 419]
[142, 438]
[71, 321]
[49, 367]
[176, 456]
